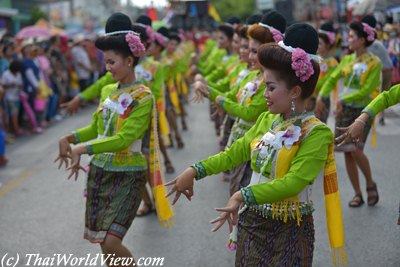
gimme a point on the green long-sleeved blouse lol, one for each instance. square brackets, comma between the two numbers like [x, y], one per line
[228, 63]
[305, 166]
[105, 143]
[94, 91]
[253, 105]
[361, 79]
[383, 101]
[225, 83]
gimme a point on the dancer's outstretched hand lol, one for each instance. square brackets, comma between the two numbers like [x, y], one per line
[72, 106]
[200, 90]
[76, 162]
[229, 212]
[64, 153]
[183, 184]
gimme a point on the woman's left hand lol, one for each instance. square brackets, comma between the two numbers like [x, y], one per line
[229, 212]
[75, 161]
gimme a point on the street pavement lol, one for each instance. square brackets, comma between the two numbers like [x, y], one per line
[43, 212]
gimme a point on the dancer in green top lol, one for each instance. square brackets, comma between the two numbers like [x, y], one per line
[118, 169]
[361, 72]
[288, 147]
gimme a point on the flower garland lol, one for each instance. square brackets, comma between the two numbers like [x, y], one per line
[270, 143]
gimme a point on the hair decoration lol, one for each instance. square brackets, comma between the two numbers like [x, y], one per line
[161, 39]
[135, 45]
[369, 31]
[150, 33]
[331, 36]
[121, 32]
[301, 61]
[227, 24]
[276, 34]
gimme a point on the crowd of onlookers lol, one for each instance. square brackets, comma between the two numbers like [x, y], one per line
[37, 75]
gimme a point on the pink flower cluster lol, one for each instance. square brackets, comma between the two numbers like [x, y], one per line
[135, 45]
[302, 65]
[331, 37]
[150, 33]
[369, 31]
[161, 39]
[277, 35]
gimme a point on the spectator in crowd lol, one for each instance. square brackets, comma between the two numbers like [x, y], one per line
[12, 84]
[81, 62]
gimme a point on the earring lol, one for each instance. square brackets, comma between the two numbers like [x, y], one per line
[293, 106]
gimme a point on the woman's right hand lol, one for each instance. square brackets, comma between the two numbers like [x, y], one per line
[72, 106]
[183, 184]
[354, 132]
[64, 153]
[200, 91]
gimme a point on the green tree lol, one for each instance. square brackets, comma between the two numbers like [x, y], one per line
[239, 8]
[37, 14]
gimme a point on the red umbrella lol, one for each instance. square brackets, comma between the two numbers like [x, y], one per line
[33, 32]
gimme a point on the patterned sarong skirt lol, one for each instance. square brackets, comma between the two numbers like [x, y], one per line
[270, 242]
[112, 201]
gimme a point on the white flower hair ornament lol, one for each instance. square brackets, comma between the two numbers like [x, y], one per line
[135, 44]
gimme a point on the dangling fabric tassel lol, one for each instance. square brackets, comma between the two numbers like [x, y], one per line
[373, 138]
[334, 211]
[163, 207]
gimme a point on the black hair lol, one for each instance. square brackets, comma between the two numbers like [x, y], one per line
[54, 38]
[275, 58]
[227, 30]
[16, 66]
[116, 43]
[174, 36]
[144, 19]
[370, 20]
[358, 29]
[253, 19]
[243, 32]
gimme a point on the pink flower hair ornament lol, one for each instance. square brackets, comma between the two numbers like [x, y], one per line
[150, 33]
[369, 31]
[301, 61]
[161, 39]
[302, 65]
[331, 36]
[135, 44]
[277, 35]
